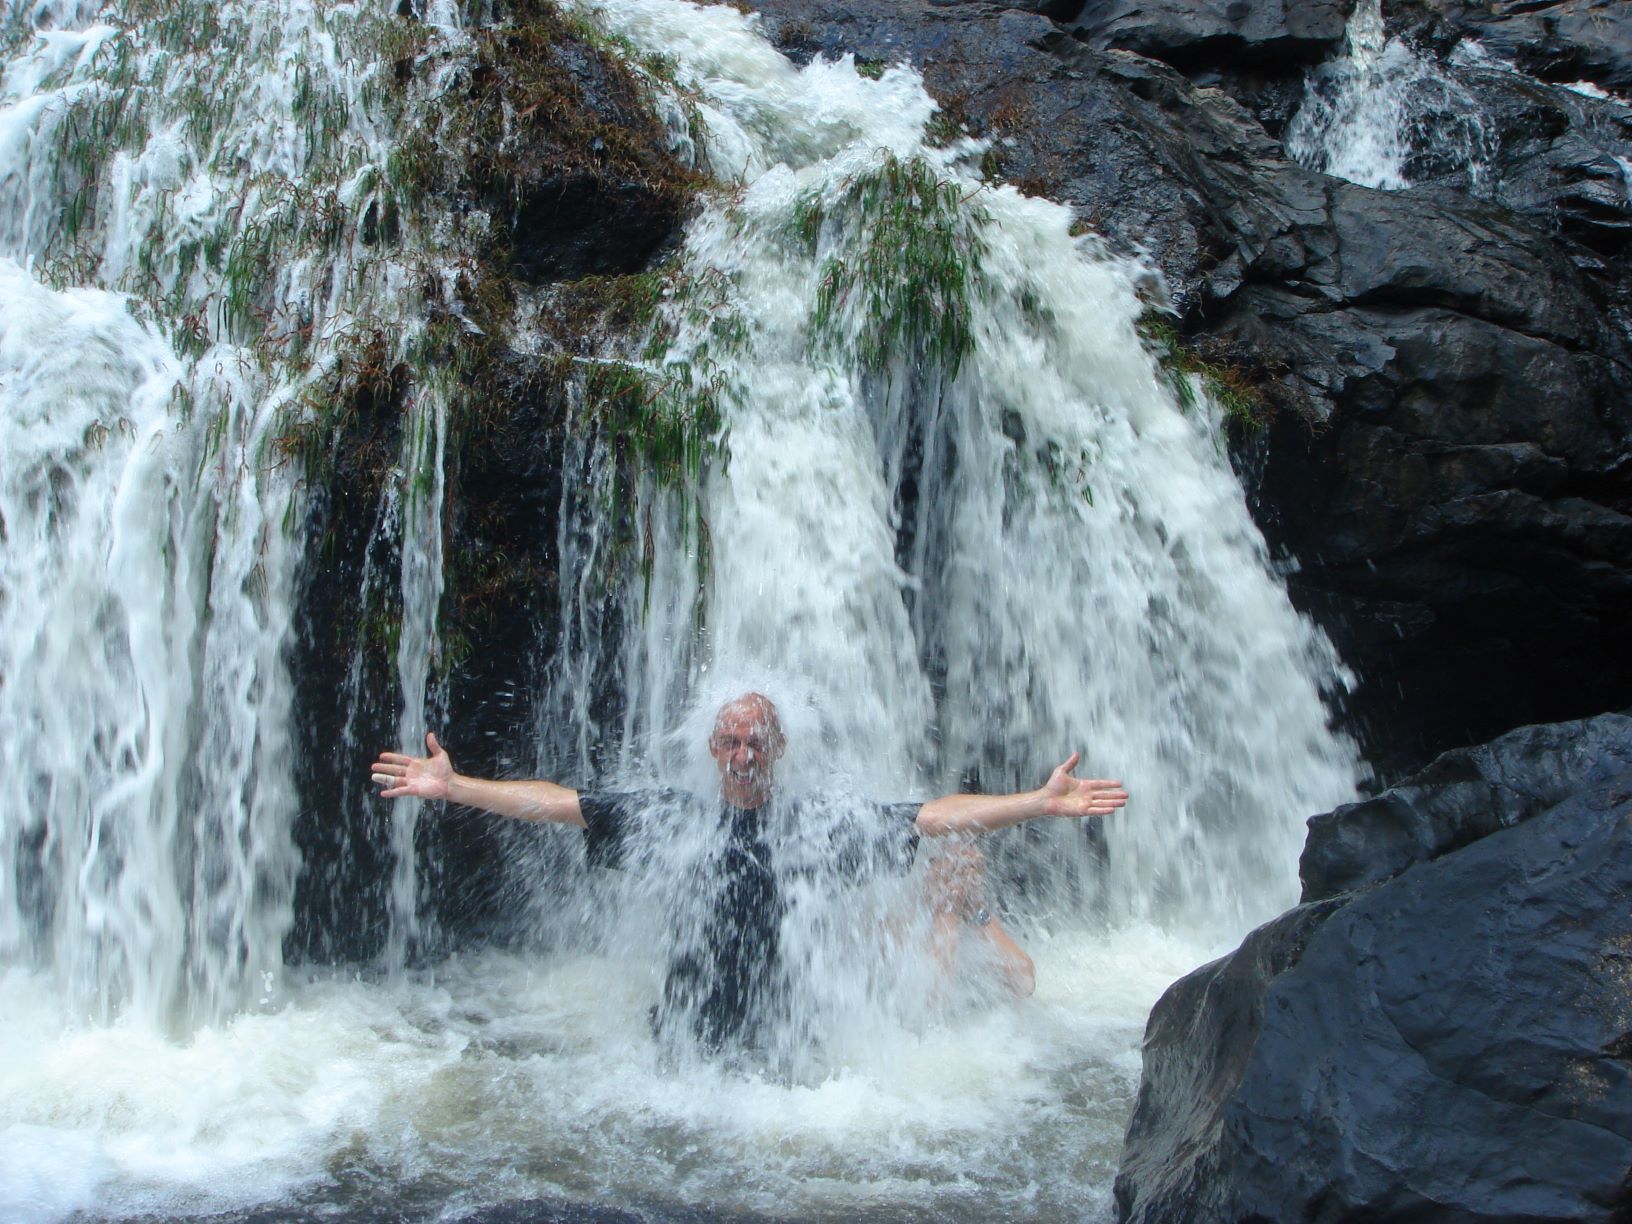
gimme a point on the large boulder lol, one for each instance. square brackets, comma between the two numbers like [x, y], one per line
[1441, 1031]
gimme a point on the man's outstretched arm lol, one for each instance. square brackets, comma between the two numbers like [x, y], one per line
[1061, 795]
[433, 777]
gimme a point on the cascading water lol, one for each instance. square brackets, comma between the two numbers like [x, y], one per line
[1384, 116]
[966, 527]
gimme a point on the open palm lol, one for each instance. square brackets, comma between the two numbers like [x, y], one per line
[423, 777]
[1065, 795]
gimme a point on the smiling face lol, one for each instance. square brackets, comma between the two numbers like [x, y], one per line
[745, 744]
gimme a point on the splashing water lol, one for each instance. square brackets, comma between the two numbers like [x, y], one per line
[966, 527]
[1384, 116]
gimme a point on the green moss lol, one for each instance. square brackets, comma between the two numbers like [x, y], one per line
[669, 418]
[663, 409]
[805, 223]
[872, 69]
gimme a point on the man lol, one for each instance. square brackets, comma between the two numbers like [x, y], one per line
[723, 979]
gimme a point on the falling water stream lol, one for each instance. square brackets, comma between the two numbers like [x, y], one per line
[954, 549]
[1385, 115]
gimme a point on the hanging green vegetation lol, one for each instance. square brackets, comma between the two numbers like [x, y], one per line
[1229, 386]
[898, 283]
[655, 402]
[670, 417]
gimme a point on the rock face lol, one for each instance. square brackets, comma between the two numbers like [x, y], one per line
[1448, 474]
[1184, 32]
[1449, 471]
[1556, 40]
[1442, 1031]
[576, 182]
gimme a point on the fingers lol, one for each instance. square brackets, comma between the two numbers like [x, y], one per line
[1104, 802]
[432, 743]
[1070, 763]
[396, 758]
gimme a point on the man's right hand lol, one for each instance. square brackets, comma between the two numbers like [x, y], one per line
[423, 777]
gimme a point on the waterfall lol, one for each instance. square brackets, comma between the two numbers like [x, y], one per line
[1382, 115]
[965, 517]
[202, 171]
[905, 464]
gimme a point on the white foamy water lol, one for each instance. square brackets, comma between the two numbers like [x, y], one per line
[512, 1078]
[941, 568]
[1383, 115]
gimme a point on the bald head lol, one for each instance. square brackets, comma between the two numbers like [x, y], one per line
[746, 743]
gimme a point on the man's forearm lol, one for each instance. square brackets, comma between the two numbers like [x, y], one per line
[531, 799]
[979, 813]
[1018, 971]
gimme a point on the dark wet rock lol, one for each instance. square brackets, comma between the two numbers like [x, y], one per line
[344, 670]
[1190, 33]
[1452, 467]
[1553, 155]
[1148, 160]
[575, 179]
[1461, 797]
[580, 178]
[1556, 40]
[1559, 158]
[1460, 510]
[1450, 1041]
[1055, 10]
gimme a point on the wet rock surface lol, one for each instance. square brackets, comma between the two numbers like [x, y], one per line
[1203, 32]
[576, 182]
[1556, 40]
[1443, 1030]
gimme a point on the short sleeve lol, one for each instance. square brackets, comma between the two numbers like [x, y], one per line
[875, 839]
[608, 818]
